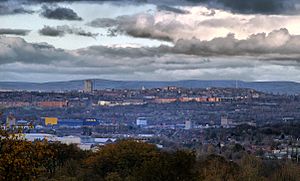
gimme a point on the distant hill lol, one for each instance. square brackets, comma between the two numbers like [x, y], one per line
[271, 87]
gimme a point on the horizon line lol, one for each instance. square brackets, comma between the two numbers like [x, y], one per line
[133, 80]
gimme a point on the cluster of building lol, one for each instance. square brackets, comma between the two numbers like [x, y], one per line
[187, 99]
[53, 122]
[85, 143]
[229, 123]
[42, 104]
[75, 123]
[161, 115]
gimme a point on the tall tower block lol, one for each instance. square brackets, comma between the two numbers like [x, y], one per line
[88, 86]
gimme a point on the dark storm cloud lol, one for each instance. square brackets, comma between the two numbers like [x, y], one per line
[236, 6]
[253, 6]
[62, 30]
[59, 13]
[171, 9]
[7, 31]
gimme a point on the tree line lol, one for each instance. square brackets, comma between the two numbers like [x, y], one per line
[129, 160]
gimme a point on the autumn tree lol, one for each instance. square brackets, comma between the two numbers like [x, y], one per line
[251, 168]
[122, 158]
[134, 161]
[24, 160]
[288, 171]
[217, 168]
[20, 159]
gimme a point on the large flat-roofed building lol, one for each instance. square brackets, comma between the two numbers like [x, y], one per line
[71, 123]
[141, 121]
[88, 86]
[39, 136]
[51, 121]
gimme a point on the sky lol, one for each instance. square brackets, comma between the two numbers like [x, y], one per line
[57, 40]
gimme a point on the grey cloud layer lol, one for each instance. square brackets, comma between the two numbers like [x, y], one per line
[62, 30]
[7, 31]
[277, 45]
[230, 58]
[14, 49]
[59, 13]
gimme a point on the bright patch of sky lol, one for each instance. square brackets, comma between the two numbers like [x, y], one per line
[89, 12]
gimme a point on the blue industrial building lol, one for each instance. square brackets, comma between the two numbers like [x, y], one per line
[70, 123]
[91, 122]
[74, 123]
